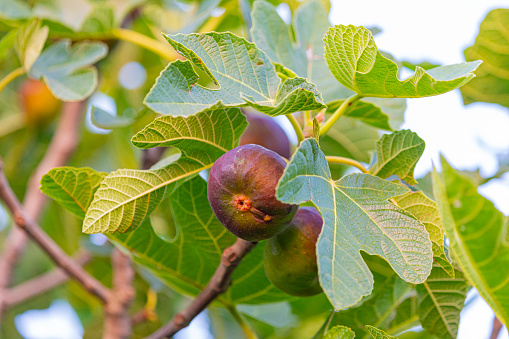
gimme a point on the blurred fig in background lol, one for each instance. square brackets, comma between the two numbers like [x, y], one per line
[290, 256]
[37, 102]
[264, 131]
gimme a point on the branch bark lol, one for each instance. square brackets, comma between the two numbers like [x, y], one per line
[32, 229]
[117, 321]
[497, 327]
[218, 284]
[62, 146]
[41, 284]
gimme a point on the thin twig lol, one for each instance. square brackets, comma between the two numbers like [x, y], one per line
[62, 146]
[497, 327]
[34, 231]
[117, 321]
[42, 283]
[218, 284]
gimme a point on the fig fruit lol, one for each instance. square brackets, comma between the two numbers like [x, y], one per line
[264, 131]
[38, 103]
[290, 257]
[241, 191]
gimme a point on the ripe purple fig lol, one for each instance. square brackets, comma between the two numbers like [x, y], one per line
[241, 191]
[290, 256]
[264, 131]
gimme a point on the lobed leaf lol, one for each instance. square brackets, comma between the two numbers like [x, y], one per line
[492, 47]
[357, 217]
[244, 74]
[441, 299]
[304, 55]
[397, 154]
[426, 211]
[469, 220]
[127, 197]
[67, 70]
[357, 64]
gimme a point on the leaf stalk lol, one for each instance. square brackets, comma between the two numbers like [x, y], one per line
[144, 41]
[296, 127]
[346, 161]
[338, 113]
[11, 76]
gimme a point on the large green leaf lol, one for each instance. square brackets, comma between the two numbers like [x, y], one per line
[378, 334]
[127, 197]
[378, 310]
[357, 217]
[441, 299]
[30, 39]
[67, 70]
[304, 55]
[339, 332]
[426, 211]
[397, 154]
[355, 61]
[244, 74]
[406, 316]
[478, 234]
[492, 47]
[350, 138]
[189, 260]
[71, 187]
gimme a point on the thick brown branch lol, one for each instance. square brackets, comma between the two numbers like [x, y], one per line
[41, 284]
[497, 327]
[117, 321]
[62, 145]
[61, 258]
[218, 284]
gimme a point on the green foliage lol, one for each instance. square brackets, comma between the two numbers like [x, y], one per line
[357, 216]
[382, 259]
[243, 72]
[397, 154]
[126, 198]
[470, 220]
[491, 47]
[67, 70]
[339, 332]
[441, 299]
[356, 63]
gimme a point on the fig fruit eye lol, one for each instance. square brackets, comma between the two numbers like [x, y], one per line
[289, 257]
[241, 191]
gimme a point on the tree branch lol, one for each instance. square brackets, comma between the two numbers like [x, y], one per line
[41, 284]
[117, 321]
[218, 284]
[497, 327]
[62, 146]
[32, 229]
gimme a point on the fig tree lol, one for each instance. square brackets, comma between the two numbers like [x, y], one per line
[241, 191]
[264, 131]
[290, 256]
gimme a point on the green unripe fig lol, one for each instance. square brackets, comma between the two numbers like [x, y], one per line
[290, 257]
[264, 131]
[241, 191]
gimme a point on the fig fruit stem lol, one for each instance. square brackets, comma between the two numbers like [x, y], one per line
[144, 41]
[338, 113]
[346, 161]
[218, 284]
[296, 127]
[11, 76]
